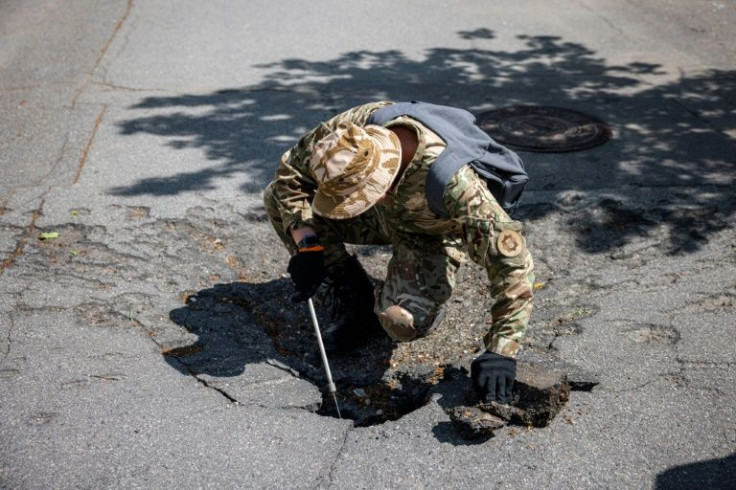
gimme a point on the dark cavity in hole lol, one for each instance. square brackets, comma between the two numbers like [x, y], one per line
[377, 403]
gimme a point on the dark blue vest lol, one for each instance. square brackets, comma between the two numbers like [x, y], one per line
[501, 168]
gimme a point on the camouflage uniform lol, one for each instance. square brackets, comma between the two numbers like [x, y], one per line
[427, 250]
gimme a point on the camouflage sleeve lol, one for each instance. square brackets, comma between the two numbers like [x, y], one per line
[497, 243]
[294, 185]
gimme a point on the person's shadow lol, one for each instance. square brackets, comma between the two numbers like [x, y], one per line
[244, 324]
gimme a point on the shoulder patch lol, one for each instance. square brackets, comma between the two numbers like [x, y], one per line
[510, 244]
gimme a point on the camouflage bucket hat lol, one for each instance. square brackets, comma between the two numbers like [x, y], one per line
[354, 167]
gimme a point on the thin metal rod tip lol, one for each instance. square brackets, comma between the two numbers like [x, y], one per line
[325, 363]
[337, 406]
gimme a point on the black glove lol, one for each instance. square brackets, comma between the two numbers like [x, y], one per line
[493, 377]
[307, 269]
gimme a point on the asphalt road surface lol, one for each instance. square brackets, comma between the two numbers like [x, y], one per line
[146, 339]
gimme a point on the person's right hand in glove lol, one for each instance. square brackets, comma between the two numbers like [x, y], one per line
[493, 377]
[307, 269]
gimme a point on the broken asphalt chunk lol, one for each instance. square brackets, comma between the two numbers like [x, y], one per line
[539, 395]
[474, 423]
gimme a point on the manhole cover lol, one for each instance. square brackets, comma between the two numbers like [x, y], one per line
[544, 129]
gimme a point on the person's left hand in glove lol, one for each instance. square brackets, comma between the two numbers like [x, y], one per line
[493, 377]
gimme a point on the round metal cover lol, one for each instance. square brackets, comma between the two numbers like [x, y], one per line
[544, 129]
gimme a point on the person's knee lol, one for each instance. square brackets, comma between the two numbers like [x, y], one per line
[398, 323]
[403, 326]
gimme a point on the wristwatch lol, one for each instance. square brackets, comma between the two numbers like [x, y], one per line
[308, 241]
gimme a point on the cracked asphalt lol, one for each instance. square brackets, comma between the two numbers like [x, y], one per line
[151, 344]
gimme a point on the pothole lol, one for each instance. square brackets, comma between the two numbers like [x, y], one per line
[373, 385]
[377, 383]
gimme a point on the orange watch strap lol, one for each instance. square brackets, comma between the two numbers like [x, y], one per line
[313, 248]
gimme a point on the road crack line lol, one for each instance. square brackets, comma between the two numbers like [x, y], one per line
[103, 51]
[207, 385]
[9, 338]
[88, 146]
[602, 17]
[333, 466]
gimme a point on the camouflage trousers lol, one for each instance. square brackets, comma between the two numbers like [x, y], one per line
[420, 276]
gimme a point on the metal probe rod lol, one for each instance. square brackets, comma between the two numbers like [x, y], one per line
[330, 383]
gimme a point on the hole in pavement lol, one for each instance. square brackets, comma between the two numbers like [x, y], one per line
[240, 324]
[372, 404]
[230, 321]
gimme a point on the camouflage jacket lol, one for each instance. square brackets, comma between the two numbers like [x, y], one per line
[476, 227]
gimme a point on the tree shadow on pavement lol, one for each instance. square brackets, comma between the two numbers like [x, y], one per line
[671, 134]
[714, 474]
